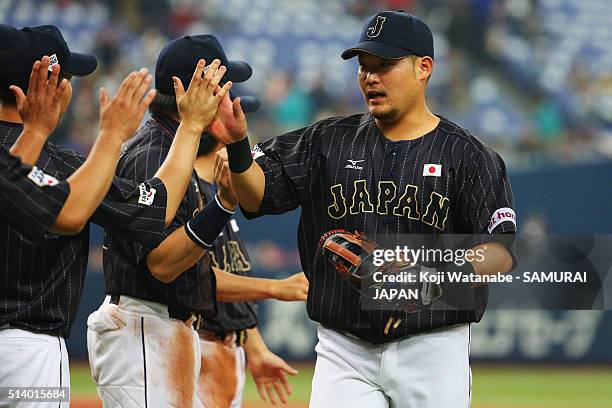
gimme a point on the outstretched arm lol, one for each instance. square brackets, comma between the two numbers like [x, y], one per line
[230, 128]
[196, 116]
[234, 288]
[119, 118]
[185, 246]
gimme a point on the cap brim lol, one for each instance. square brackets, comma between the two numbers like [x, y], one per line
[249, 103]
[80, 64]
[238, 71]
[376, 48]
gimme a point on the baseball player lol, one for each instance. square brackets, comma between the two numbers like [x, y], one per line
[397, 169]
[42, 281]
[31, 199]
[159, 295]
[231, 338]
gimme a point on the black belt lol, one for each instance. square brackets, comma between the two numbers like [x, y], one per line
[173, 312]
[241, 336]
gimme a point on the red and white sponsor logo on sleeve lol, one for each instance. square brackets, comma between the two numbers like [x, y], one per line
[147, 196]
[257, 152]
[40, 178]
[501, 215]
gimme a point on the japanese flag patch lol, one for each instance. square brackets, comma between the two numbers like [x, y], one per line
[40, 178]
[146, 195]
[433, 170]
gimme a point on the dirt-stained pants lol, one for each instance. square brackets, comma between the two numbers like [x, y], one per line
[140, 357]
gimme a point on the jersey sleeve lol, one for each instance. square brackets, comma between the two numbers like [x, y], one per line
[286, 161]
[136, 210]
[486, 198]
[29, 199]
[137, 167]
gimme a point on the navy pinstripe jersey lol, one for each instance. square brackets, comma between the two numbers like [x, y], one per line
[42, 281]
[26, 202]
[344, 173]
[125, 267]
[229, 253]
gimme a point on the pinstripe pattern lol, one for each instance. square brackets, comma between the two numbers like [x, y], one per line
[308, 168]
[29, 208]
[125, 268]
[41, 282]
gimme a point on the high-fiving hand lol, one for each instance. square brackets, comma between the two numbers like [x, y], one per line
[40, 109]
[121, 115]
[198, 105]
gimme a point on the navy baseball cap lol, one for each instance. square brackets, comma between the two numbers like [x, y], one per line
[393, 35]
[181, 55]
[19, 49]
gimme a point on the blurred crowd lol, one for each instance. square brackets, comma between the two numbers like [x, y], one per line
[519, 73]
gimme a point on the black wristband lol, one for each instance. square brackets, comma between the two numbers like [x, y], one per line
[239, 156]
[205, 227]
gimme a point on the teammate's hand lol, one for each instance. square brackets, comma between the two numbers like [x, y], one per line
[270, 375]
[223, 179]
[292, 288]
[198, 105]
[40, 109]
[121, 115]
[230, 124]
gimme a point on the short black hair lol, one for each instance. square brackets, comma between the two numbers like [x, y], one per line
[164, 104]
[7, 98]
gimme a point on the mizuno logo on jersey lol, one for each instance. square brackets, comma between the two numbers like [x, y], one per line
[40, 178]
[353, 165]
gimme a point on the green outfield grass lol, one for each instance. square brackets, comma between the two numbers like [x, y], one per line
[493, 387]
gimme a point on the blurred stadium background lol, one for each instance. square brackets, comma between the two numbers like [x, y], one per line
[532, 78]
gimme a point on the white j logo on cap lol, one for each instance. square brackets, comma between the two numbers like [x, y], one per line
[375, 31]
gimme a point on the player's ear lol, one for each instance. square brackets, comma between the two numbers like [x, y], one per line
[424, 67]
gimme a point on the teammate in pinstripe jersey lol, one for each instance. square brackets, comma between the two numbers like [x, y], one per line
[33, 201]
[158, 295]
[33, 210]
[42, 281]
[397, 169]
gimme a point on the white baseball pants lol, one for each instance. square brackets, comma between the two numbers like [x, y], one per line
[140, 357]
[32, 360]
[427, 370]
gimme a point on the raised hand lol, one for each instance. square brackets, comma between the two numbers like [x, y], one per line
[40, 109]
[230, 124]
[198, 105]
[121, 115]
